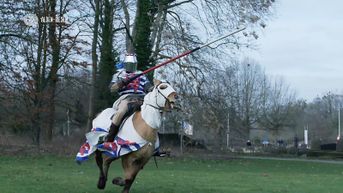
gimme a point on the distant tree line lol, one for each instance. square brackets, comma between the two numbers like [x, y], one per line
[242, 98]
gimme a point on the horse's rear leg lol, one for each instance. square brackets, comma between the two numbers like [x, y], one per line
[104, 165]
[102, 176]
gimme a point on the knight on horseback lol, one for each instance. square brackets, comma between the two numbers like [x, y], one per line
[131, 93]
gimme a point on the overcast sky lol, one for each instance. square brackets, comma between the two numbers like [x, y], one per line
[304, 44]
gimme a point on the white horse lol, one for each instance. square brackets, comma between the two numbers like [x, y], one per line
[136, 140]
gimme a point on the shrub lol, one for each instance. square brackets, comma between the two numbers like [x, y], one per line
[292, 150]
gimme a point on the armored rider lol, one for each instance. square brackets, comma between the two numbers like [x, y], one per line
[131, 93]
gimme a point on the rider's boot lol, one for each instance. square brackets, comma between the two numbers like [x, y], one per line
[112, 133]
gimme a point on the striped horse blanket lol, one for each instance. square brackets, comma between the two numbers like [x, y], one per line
[127, 140]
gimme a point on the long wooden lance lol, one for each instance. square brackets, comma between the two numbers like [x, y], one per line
[182, 55]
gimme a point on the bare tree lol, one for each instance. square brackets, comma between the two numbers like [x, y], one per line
[50, 43]
[321, 117]
[279, 104]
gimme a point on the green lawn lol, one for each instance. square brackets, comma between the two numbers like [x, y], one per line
[49, 174]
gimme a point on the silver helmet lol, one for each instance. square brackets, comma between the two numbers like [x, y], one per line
[130, 62]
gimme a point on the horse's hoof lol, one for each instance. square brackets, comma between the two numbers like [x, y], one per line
[101, 183]
[118, 181]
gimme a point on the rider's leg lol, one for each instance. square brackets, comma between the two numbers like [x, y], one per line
[116, 120]
[112, 133]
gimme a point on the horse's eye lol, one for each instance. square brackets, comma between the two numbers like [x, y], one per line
[163, 86]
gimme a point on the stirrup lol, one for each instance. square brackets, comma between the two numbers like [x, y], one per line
[160, 154]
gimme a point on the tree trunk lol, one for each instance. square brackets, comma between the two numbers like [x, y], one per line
[106, 63]
[52, 78]
[128, 37]
[38, 78]
[94, 65]
[141, 34]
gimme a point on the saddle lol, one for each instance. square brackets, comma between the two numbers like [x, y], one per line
[133, 106]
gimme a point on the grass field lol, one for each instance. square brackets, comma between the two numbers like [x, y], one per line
[50, 174]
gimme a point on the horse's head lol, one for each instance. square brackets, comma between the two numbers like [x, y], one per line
[166, 95]
[162, 97]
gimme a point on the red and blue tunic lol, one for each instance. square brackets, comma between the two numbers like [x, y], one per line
[134, 87]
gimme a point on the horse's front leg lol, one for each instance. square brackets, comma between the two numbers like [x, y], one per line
[132, 164]
[131, 168]
[102, 176]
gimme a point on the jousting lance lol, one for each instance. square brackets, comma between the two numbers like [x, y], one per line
[182, 55]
